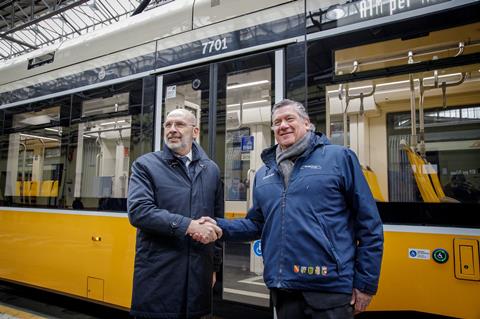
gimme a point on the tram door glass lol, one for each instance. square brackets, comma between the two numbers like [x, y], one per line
[104, 132]
[243, 130]
[189, 90]
[34, 166]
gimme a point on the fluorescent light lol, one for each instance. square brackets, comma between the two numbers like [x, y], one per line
[237, 86]
[255, 102]
[39, 137]
[247, 103]
[37, 120]
[51, 129]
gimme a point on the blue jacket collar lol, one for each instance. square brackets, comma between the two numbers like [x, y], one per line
[318, 139]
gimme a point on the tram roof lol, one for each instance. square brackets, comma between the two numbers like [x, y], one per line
[26, 26]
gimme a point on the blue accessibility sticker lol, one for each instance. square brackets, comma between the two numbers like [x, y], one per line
[257, 248]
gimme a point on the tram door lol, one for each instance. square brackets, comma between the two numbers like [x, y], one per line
[232, 101]
[245, 98]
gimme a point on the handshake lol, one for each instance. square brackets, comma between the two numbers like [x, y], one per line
[204, 230]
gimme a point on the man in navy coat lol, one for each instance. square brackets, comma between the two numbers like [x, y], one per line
[322, 237]
[168, 194]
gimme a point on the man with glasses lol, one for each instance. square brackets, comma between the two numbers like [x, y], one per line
[322, 237]
[168, 194]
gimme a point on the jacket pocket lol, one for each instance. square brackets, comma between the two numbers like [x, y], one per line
[331, 247]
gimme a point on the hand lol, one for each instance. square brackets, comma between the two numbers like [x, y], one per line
[361, 300]
[207, 219]
[204, 231]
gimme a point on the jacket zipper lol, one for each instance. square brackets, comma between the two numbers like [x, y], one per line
[284, 205]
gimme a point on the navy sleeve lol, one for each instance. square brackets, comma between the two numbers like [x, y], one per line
[368, 226]
[143, 211]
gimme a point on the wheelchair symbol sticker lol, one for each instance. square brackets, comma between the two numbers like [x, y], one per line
[257, 248]
[415, 253]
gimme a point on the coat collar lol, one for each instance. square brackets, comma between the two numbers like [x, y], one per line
[198, 154]
[318, 139]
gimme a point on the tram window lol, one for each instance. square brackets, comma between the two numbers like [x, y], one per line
[452, 153]
[437, 164]
[113, 104]
[100, 150]
[33, 175]
[432, 46]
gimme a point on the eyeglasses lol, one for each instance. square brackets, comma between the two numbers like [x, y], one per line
[179, 125]
[289, 120]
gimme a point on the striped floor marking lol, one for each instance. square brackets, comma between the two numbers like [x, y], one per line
[7, 312]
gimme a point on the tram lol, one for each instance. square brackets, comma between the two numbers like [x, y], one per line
[397, 81]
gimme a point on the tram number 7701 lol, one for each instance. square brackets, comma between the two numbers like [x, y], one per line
[214, 46]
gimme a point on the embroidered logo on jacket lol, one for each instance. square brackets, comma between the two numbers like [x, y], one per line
[311, 270]
[311, 167]
[324, 270]
[268, 176]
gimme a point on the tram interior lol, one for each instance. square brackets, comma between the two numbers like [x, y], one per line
[100, 157]
[34, 167]
[438, 159]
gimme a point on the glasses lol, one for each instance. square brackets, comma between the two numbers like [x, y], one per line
[179, 125]
[289, 120]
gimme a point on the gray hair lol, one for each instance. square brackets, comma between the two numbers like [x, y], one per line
[299, 108]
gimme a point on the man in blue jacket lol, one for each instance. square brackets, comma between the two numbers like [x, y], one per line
[169, 192]
[322, 237]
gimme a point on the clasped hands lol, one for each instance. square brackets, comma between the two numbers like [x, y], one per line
[204, 230]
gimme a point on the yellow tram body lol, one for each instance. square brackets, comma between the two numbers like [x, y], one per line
[80, 255]
[70, 129]
[91, 257]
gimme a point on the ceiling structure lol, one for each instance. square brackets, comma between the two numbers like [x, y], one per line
[27, 25]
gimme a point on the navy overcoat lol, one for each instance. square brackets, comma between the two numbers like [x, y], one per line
[173, 273]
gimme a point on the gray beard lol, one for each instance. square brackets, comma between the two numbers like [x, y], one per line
[175, 146]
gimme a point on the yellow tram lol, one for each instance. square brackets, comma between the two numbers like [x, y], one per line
[397, 81]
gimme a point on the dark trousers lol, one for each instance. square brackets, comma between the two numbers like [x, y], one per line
[311, 305]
